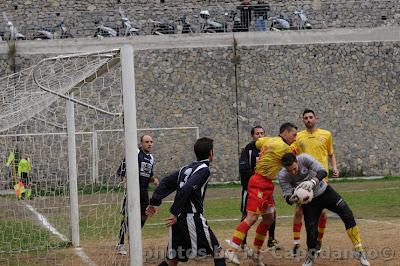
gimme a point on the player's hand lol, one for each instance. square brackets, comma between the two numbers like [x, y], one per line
[335, 173]
[156, 182]
[294, 198]
[171, 220]
[151, 210]
[307, 185]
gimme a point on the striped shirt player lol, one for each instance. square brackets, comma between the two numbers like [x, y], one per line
[306, 172]
[146, 175]
[189, 236]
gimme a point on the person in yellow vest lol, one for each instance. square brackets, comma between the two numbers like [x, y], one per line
[318, 143]
[24, 168]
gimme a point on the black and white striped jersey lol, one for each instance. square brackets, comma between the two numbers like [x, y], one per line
[190, 183]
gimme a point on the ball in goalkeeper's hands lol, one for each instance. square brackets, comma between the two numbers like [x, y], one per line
[305, 196]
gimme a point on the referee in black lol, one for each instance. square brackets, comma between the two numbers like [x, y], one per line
[146, 176]
[190, 236]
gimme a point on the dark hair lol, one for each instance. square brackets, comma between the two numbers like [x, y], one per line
[286, 126]
[203, 147]
[288, 159]
[254, 129]
[308, 111]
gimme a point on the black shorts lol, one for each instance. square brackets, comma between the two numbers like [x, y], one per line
[191, 237]
[144, 202]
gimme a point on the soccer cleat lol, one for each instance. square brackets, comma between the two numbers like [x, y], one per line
[121, 250]
[296, 250]
[232, 257]
[273, 244]
[231, 244]
[361, 257]
[318, 246]
[249, 252]
[309, 259]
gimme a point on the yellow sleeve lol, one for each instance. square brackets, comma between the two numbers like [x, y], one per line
[330, 145]
[260, 142]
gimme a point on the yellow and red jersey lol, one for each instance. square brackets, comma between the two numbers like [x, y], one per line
[271, 151]
[318, 144]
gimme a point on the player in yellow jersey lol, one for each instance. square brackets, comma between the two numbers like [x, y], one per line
[318, 143]
[260, 190]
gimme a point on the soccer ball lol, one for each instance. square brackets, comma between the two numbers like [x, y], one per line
[304, 195]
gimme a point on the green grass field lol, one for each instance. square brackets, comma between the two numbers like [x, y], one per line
[375, 199]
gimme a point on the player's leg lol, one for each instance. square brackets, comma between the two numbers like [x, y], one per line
[144, 202]
[244, 214]
[311, 212]
[336, 204]
[123, 227]
[321, 228]
[297, 224]
[273, 244]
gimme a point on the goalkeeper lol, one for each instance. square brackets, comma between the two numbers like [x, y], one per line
[307, 173]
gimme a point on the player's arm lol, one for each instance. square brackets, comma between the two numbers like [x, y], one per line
[167, 185]
[332, 157]
[153, 179]
[286, 186]
[245, 170]
[197, 180]
[313, 166]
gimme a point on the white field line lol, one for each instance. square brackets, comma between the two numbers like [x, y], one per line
[47, 225]
[218, 198]
[379, 222]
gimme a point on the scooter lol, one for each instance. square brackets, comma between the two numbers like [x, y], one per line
[14, 33]
[280, 23]
[183, 26]
[209, 25]
[47, 34]
[304, 21]
[161, 28]
[103, 31]
[128, 29]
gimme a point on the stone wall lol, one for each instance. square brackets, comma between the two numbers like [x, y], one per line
[353, 87]
[80, 16]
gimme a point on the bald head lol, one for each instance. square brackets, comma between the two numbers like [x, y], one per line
[146, 143]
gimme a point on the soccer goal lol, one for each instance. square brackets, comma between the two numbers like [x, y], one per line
[67, 122]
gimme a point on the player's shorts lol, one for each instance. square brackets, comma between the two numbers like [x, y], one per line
[191, 237]
[260, 195]
[144, 202]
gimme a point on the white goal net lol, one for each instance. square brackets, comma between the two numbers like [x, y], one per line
[35, 221]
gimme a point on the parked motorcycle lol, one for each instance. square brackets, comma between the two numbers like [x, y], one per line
[209, 25]
[128, 29]
[286, 23]
[59, 31]
[14, 33]
[280, 23]
[304, 21]
[104, 31]
[183, 26]
[161, 28]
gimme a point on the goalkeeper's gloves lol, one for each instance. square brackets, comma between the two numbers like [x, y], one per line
[292, 199]
[308, 185]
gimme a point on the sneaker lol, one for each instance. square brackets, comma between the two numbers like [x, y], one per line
[296, 250]
[249, 252]
[232, 257]
[273, 244]
[361, 257]
[309, 259]
[231, 244]
[318, 246]
[258, 260]
[121, 250]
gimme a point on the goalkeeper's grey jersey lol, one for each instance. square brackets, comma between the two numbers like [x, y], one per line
[308, 167]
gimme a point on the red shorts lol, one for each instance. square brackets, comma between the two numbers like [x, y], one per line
[260, 191]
